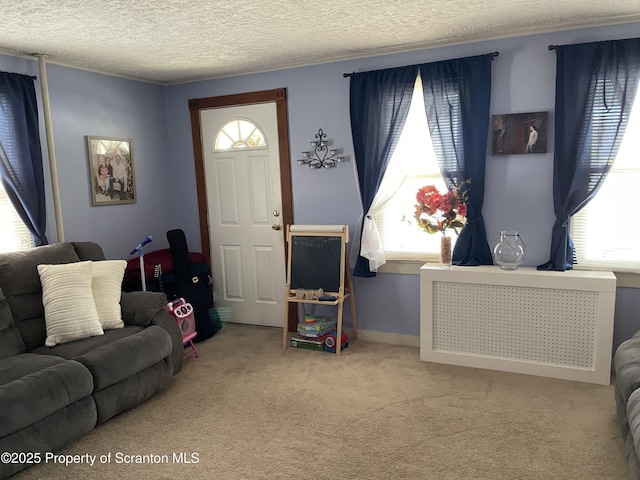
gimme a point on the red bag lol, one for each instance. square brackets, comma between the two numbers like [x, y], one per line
[164, 258]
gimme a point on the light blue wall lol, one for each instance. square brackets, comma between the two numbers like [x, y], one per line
[627, 320]
[86, 103]
[518, 187]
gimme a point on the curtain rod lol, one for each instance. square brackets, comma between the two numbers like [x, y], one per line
[346, 75]
[552, 47]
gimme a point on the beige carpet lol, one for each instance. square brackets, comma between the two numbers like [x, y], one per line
[247, 410]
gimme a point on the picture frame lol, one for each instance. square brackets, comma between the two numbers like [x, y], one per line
[111, 170]
[519, 133]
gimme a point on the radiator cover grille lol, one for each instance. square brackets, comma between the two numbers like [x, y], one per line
[538, 322]
[555, 327]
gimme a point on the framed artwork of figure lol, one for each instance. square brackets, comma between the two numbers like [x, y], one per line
[517, 133]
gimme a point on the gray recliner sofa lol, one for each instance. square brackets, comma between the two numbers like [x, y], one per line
[51, 396]
[626, 362]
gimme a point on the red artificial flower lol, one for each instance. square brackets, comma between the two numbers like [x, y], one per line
[462, 210]
[435, 212]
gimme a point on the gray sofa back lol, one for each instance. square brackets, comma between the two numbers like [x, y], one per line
[88, 251]
[10, 340]
[20, 283]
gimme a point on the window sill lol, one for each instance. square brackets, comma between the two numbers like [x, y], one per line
[412, 267]
[628, 280]
[405, 267]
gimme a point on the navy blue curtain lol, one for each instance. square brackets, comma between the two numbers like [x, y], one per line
[595, 89]
[457, 94]
[379, 105]
[20, 152]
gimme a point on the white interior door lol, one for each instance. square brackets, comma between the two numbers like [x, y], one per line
[242, 178]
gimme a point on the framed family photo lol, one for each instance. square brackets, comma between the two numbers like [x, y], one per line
[517, 133]
[111, 170]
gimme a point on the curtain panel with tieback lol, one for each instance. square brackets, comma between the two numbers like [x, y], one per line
[379, 105]
[595, 88]
[21, 169]
[457, 96]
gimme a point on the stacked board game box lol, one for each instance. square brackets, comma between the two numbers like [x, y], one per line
[311, 334]
[318, 328]
[307, 343]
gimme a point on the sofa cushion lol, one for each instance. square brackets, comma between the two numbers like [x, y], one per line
[21, 285]
[69, 308]
[33, 387]
[627, 367]
[122, 359]
[10, 340]
[621, 412]
[118, 354]
[633, 465]
[50, 434]
[633, 415]
[107, 290]
[132, 391]
[77, 348]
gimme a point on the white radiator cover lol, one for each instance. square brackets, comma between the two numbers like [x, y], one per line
[554, 324]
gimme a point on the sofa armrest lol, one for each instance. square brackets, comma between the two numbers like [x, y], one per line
[165, 320]
[147, 308]
[88, 251]
[139, 308]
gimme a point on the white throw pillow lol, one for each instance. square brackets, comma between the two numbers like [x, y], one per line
[69, 309]
[107, 291]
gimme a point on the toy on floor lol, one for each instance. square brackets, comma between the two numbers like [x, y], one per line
[183, 313]
[331, 339]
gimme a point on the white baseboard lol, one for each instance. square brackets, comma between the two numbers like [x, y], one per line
[377, 337]
[389, 338]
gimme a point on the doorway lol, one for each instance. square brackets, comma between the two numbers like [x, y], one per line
[235, 194]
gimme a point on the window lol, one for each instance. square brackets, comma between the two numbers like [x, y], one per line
[15, 234]
[413, 165]
[239, 134]
[604, 230]
[21, 164]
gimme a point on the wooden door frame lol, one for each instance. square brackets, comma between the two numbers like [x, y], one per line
[279, 97]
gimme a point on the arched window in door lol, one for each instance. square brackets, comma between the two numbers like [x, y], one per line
[239, 133]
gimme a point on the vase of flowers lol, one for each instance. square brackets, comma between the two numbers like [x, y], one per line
[437, 213]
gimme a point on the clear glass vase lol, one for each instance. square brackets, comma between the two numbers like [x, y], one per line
[509, 251]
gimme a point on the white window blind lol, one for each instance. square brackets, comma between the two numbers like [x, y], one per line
[413, 165]
[15, 235]
[604, 232]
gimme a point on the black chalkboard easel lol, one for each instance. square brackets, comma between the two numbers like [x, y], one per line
[317, 259]
[315, 262]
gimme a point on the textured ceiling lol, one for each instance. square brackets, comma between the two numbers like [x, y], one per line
[170, 41]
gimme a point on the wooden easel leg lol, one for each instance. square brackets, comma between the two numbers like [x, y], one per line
[353, 300]
[339, 331]
[353, 316]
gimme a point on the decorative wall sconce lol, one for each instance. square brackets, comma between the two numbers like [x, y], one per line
[321, 156]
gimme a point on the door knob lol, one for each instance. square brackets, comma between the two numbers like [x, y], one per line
[276, 226]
